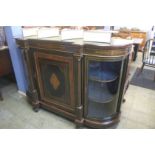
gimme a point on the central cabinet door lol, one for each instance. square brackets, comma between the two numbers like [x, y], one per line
[56, 80]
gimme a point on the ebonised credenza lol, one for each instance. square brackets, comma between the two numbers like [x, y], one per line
[82, 81]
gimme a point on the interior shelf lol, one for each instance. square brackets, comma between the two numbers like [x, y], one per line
[100, 110]
[102, 75]
[99, 93]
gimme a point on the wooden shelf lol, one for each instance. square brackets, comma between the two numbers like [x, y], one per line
[102, 76]
[99, 93]
[100, 111]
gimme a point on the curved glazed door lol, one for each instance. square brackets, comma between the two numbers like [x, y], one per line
[102, 84]
[56, 80]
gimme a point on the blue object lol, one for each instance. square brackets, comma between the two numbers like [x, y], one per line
[102, 75]
[11, 33]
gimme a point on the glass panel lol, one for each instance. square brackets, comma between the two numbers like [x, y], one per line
[103, 81]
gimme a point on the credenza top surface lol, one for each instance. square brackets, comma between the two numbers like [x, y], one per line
[77, 41]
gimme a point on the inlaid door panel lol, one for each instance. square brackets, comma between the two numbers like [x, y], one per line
[55, 79]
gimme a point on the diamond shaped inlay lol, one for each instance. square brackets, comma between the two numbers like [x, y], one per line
[54, 81]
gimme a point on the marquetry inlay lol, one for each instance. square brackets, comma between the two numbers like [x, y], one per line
[54, 81]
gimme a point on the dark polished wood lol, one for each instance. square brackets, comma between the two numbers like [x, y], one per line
[5, 64]
[51, 64]
[103, 123]
[1, 98]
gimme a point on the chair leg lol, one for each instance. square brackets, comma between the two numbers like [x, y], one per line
[141, 69]
[1, 98]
